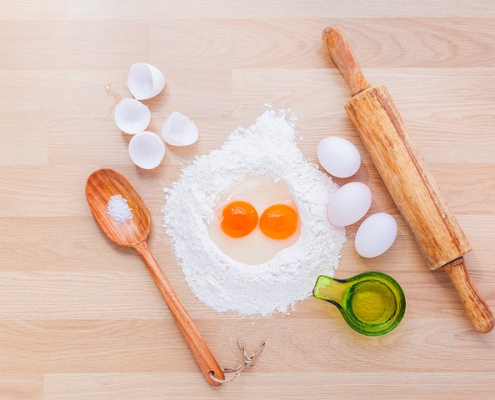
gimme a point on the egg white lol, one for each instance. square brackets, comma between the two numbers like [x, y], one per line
[261, 192]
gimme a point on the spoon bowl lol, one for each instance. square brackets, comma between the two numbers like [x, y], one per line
[102, 185]
[105, 183]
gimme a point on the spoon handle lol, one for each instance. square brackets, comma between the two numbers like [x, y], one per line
[197, 344]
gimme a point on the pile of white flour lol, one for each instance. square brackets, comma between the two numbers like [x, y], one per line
[266, 148]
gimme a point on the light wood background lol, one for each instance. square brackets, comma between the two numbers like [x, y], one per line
[82, 319]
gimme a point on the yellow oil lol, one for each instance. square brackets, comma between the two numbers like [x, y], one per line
[372, 302]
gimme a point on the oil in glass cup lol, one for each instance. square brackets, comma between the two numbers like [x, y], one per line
[371, 303]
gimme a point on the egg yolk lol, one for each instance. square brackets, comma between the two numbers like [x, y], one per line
[239, 219]
[279, 222]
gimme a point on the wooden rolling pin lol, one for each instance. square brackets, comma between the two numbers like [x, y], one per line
[400, 165]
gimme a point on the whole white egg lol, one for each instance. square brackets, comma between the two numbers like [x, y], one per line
[349, 204]
[376, 235]
[338, 156]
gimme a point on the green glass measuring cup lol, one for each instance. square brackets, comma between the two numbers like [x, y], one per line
[371, 303]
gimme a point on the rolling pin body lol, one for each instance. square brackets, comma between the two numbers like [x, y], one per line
[402, 169]
[410, 184]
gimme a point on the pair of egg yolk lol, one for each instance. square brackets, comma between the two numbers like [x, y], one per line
[240, 218]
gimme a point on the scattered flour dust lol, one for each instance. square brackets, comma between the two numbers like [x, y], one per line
[266, 148]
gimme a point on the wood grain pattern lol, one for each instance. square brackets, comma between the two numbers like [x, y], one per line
[343, 58]
[478, 312]
[17, 386]
[80, 318]
[100, 187]
[408, 180]
[156, 386]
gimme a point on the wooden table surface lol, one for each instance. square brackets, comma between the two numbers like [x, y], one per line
[81, 318]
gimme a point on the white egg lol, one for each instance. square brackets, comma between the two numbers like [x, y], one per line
[179, 130]
[349, 204]
[376, 235]
[338, 156]
[145, 81]
[146, 150]
[132, 116]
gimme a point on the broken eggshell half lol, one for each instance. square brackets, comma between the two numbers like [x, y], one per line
[145, 81]
[132, 116]
[179, 130]
[146, 150]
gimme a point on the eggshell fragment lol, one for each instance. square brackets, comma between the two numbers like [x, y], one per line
[376, 235]
[349, 204]
[146, 150]
[132, 116]
[179, 130]
[338, 156]
[145, 81]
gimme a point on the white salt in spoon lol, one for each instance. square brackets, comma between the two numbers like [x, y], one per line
[105, 183]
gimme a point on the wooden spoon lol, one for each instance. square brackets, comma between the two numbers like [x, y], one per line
[105, 183]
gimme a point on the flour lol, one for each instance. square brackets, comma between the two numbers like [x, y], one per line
[266, 148]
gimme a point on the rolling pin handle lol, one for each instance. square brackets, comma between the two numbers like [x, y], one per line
[477, 311]
[341, 54]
